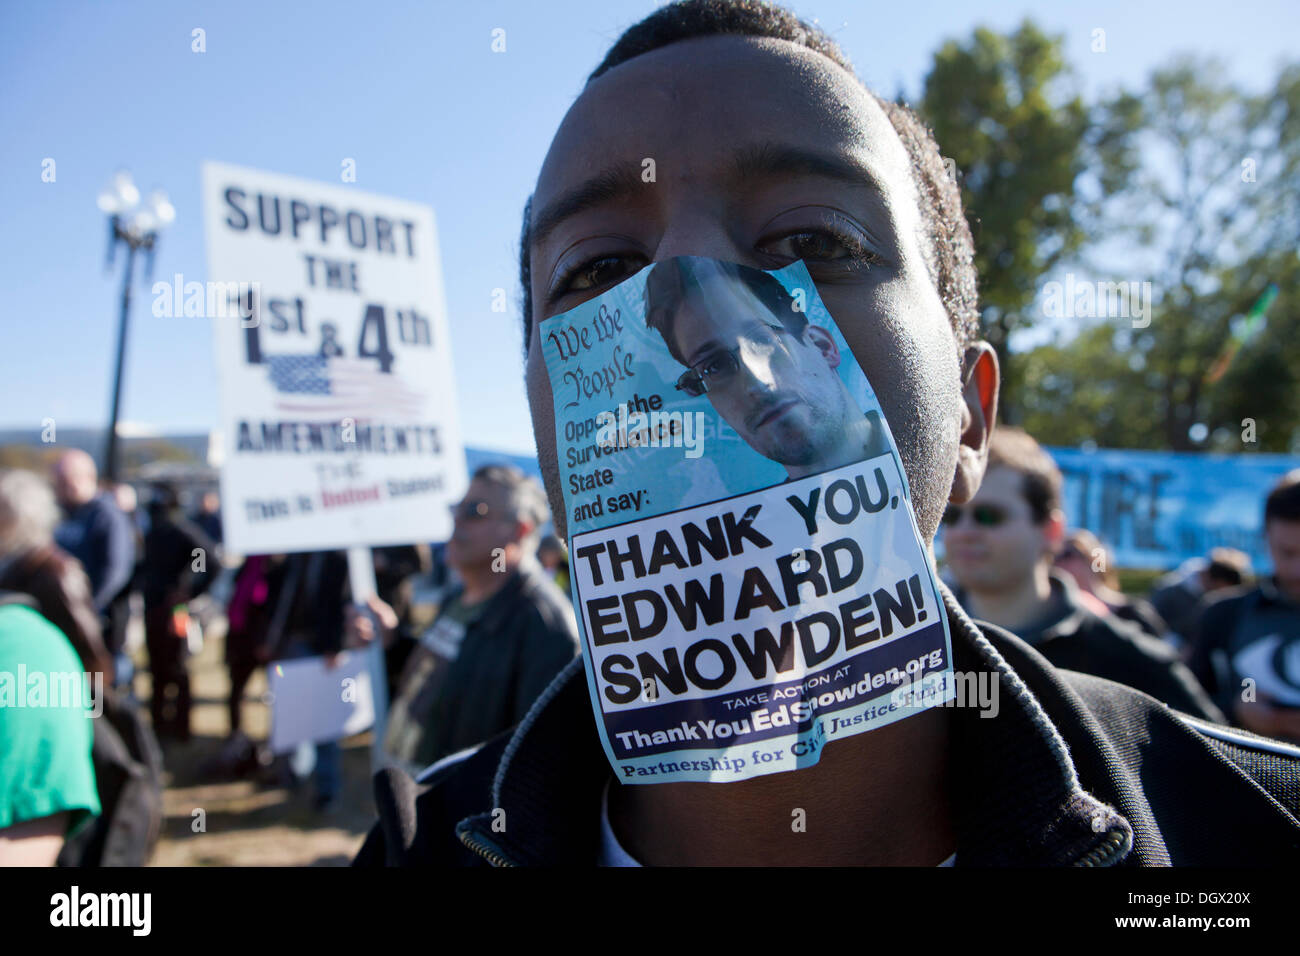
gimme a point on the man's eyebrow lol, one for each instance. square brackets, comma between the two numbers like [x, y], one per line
[610, 183]
[748, 162]
[781, 159]
[702, 351]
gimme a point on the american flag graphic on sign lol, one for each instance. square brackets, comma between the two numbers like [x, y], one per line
[340, 387]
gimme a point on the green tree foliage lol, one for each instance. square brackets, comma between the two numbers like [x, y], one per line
[1002, 108]
[1202, 200]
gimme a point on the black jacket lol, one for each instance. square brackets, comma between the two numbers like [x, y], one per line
[169, 559]
[524, 636]
[309, 594]
[1073, 770]
[1074, 638]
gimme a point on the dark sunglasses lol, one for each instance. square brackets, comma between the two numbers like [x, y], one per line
[469, 510]
[985, 516]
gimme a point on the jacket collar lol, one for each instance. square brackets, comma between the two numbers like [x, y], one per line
[1068, 615]
[1018, 799]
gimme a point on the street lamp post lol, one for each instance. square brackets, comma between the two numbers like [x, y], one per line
[137, 226]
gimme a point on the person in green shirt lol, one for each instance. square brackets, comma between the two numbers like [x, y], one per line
[47, 779]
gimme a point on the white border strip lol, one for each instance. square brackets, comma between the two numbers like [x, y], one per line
[447, 761]
[1232, 736]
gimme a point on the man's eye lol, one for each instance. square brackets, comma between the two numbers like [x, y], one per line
[820, 246]
[712, 365]
[593, 274]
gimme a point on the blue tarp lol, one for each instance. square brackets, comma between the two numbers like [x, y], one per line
[1157, 509]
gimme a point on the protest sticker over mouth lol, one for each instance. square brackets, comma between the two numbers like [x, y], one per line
[748, 576]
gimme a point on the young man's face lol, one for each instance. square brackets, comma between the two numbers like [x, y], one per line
[764, 152]
[784, 397]
[1284, 548]
[995, 544]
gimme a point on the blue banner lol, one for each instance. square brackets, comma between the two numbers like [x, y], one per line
[1157, 509]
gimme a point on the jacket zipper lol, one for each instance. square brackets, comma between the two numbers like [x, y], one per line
[484, 849]
[1104, 854]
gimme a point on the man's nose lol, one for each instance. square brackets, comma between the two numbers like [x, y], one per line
[755, 371]
[696, 229]
[963, 527]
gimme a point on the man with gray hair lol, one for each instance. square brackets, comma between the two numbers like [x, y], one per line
[32, 564]
[497, 641]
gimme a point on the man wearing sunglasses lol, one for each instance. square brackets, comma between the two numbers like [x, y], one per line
[497, 641]
[770, 150]
[1001, 547]
[765, 368]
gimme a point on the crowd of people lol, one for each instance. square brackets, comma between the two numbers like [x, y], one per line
[1207, 641]
[71, 557]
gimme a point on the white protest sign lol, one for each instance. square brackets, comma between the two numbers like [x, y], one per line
[311, 702]
[338, 404]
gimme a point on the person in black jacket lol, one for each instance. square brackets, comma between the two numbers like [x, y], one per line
[1000, 547]
[180, 561]
[497, 641]
[1246, 646]
[777, 152]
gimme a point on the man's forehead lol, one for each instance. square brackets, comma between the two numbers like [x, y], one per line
[737, 90]
[1001, 484]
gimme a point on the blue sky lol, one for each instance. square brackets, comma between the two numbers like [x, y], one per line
[412, 92]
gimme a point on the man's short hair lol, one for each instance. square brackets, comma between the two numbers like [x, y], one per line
[526, 497]
[670, 283]
[1014, 448]
[553, 544]
[1228, 566]
[165, 496]
[1283, 502]
[947, 246]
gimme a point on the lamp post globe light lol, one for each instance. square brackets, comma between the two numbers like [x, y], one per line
[136, 225]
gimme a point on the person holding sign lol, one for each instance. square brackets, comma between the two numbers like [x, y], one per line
[770, 153]
[766, 370]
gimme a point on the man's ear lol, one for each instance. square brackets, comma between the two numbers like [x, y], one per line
[821, 340]
[979, 415]
[525, 532]
[1054, 530]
